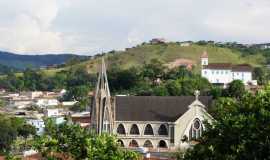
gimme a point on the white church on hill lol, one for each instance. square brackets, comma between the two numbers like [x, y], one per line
[224, 73]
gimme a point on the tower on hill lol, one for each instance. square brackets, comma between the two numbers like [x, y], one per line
[101, 111]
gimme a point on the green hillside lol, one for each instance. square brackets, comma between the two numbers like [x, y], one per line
[169, 52]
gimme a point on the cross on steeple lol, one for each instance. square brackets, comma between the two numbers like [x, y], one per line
[197, 94]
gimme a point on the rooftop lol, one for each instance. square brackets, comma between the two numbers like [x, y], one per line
[154, 108]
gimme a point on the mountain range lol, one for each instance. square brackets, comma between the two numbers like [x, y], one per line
[20, 62]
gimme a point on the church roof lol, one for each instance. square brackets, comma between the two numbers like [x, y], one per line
[242, 68]
[219, 66]
[154, 108]
[229, 66]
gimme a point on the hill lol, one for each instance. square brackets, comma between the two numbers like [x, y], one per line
[35, 61]
[5, 69]
[168, 53]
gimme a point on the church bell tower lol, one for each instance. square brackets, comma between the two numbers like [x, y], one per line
[101, 110]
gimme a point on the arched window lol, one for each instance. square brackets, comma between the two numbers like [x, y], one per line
[148, 144]
[162, 130]
[148, 130]
[195, 130]
[134, 129]
[121, 143]
[162, 144]
[121, 129]
[106, 119]
[133, 143]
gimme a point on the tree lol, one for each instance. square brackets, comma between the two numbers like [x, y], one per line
[120, 79]
[261, 75]
[10, 129]
[236, 89]
[153, 70]
[240, 130]
[72, 141]
[25, 131]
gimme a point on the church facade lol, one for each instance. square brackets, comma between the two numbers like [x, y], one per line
[225, 73]
[154, 122]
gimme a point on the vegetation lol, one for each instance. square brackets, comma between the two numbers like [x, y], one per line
[66, 141]
[154, 79]
[10, 129]
[21, 62]
[168, 52]
[240, 130]
[5, 69]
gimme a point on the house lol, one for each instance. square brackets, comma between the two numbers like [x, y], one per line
[52, 112]
[38, 124]
[43, 103]
[186, 43]
[154, 122]
[32, 94]
[157, 41]
[82, 118]
[20, 104]
[69, 103]
[224, 73]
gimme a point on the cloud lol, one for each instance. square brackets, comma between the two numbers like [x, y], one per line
[92, 26]
[29, 27]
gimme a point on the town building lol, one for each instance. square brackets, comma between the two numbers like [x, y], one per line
[38, 124]
[224, 73]
[157, 41]
[155, 122]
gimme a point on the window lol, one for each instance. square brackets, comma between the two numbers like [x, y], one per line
[134, 130]
[221, 72]
[162, 130]
[195, 130]
[217, 72]
[162, 144]
[148, 144]
[133, 143]
[213, 72]
[121, 143]
[148, 130]
[205, 72]
[121, 129]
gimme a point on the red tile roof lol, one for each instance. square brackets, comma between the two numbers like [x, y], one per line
[229, 66]
[218, 66]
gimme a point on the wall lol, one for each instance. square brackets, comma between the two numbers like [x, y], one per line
[217, 76]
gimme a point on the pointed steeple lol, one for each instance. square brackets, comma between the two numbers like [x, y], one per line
[101, 111]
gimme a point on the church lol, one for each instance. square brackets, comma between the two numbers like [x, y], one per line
[154, 122]
[225, 73]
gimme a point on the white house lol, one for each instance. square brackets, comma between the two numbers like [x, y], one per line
[53, 112]
[43, 103]
[38, 124]
[224, 73]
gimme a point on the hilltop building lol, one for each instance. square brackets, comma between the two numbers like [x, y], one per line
[224, 73]
[155, 122]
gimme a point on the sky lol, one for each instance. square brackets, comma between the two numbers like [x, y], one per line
[93, 26]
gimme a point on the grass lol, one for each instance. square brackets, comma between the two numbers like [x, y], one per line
[141, 54]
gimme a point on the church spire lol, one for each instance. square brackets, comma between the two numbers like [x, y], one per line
[101, 111]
